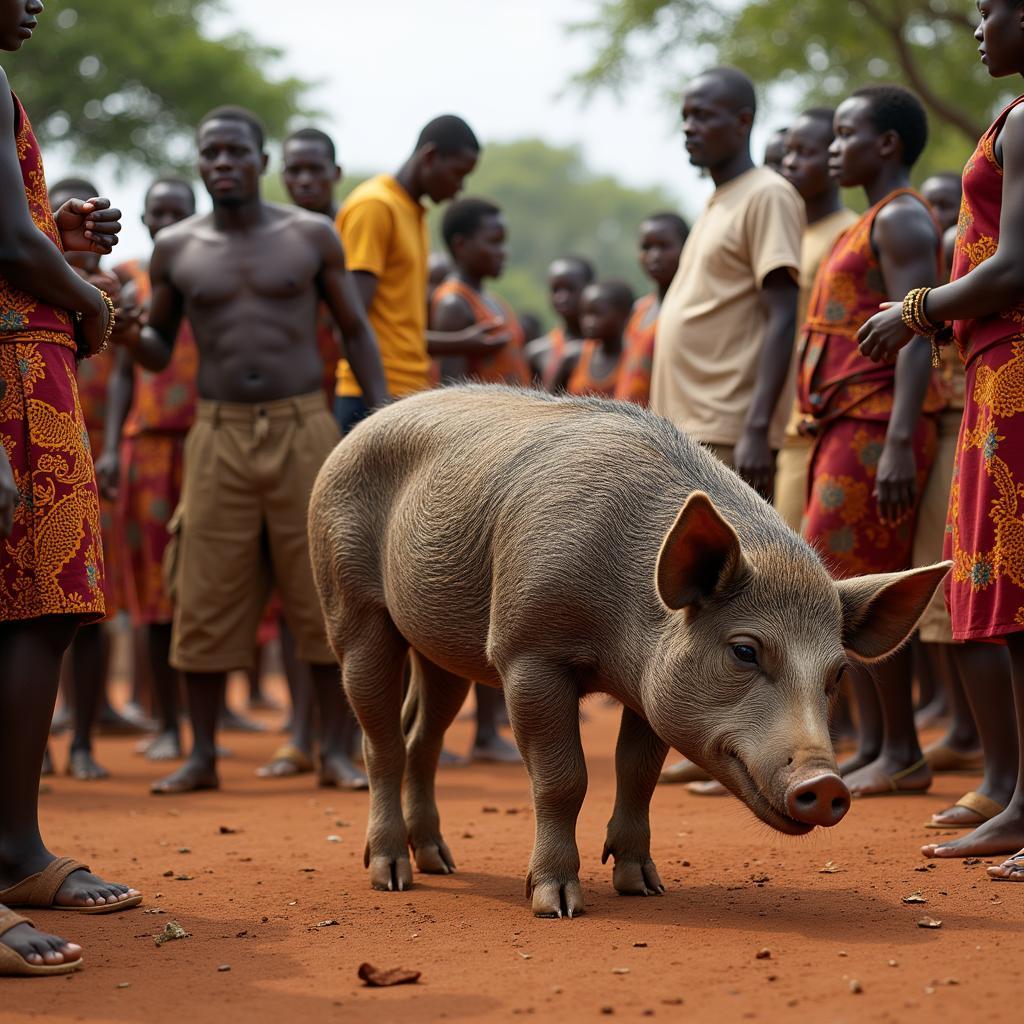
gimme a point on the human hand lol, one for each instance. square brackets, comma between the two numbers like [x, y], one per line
[882, 337]
[896, 483]
[8, 494]
[88, 225]
[108, 473]
[755, 462]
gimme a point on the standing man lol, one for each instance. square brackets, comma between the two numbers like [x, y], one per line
[383, 226]
[725, 334]
[262, 428]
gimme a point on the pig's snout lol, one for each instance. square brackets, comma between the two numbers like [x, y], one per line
[823, 800]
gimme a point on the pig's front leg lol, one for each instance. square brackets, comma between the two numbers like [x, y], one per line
[543, 707]
[639, 755]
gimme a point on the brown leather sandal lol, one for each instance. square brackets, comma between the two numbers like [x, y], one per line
[14, 965]
[40, 890]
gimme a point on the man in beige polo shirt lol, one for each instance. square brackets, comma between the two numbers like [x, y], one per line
[726, 329]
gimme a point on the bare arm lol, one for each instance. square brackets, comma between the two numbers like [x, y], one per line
[341, 291]
[753, 456]
[28, 259]
[120, 391]
[906, 242]
[153, 345]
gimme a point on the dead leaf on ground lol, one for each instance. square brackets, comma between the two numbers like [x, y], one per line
[227, 830]
[830, 868]
[929, 922]
[171, 933]
[329, 923]
[377, 977]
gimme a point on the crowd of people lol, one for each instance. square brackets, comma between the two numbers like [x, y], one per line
[162, 421]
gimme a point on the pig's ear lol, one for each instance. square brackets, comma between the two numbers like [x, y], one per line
[700, 554]
[880, 612]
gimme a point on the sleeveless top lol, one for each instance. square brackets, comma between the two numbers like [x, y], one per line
[583, 382]
[506, 366]
[163, 402]
[977, 238]
[634, 382]
[834, 379]
[23, 317]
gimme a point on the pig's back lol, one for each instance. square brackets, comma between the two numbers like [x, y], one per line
[481, 517]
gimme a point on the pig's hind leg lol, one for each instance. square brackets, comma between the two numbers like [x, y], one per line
[543, 707]
[372, 665]
[437, 697]
[639, 756]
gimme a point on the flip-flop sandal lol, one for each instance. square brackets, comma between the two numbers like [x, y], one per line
[298, 762]
[1018, 859]
[942, 758]
[14, 965]
[40, 890]
[983, 806]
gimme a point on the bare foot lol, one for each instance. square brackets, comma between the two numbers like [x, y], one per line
[1002, 834]
[39, 948]
[138, 716]
[231, 721]
[945, 757]
[1011, 870]
[886, 775]
[448, 759]
[112, 723]
[337, 770]
[164, 747]
[289, 760]
[83, 767]
[80, 889]
[61, 721]
[971, 810]
[192, 776]
[496, 750]
[682, 771]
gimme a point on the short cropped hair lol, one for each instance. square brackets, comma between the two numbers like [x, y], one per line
[895, 109]
[672, 221]
[449, 135]
[78, 188]
[172, 181]
[465, 217]
[618, 293]
[824, 115]
[240, 115]
[738, 84]
[315, 135]
[580, 264]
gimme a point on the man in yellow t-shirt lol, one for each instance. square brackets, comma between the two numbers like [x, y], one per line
[384, 232]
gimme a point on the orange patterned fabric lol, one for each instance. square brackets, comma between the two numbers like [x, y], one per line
[834, 379]
[634, 382]
[985, 524]
[506, 366]
[583, 381]
[52, 562]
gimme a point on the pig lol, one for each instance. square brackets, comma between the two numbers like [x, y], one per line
[557, 547]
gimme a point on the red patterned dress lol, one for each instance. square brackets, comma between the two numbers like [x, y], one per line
[985, 528]
[634, 382]
[152, 449]
[52, 563]
[583, 380]
[848, 401]
[506, 366]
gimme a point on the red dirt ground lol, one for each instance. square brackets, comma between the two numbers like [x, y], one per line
[253, 900]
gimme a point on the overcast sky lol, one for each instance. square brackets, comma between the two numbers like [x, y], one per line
[388, 66]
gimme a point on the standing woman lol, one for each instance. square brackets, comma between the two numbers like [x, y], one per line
[984, 302]
[50, 556]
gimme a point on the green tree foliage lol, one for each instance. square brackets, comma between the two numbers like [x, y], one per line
[820, 49]
[553, 205]
[129, 79]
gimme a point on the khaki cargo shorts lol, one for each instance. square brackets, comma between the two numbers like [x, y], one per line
[240, 530]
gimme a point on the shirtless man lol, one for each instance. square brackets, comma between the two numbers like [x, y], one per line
[249, 277]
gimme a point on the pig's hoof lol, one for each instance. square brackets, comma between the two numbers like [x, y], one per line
[434, 858]
[631, 878]
[558, 899]
[391, 874]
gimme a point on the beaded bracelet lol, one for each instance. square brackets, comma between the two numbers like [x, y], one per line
[111, 324]
[916, 319]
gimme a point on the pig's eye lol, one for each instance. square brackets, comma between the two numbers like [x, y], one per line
[745, 653]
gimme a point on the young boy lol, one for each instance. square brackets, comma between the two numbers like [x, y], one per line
[605, 309]
[553, 357]
[662, 237]
[985, 589]
[874, 449]
[475, 233]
